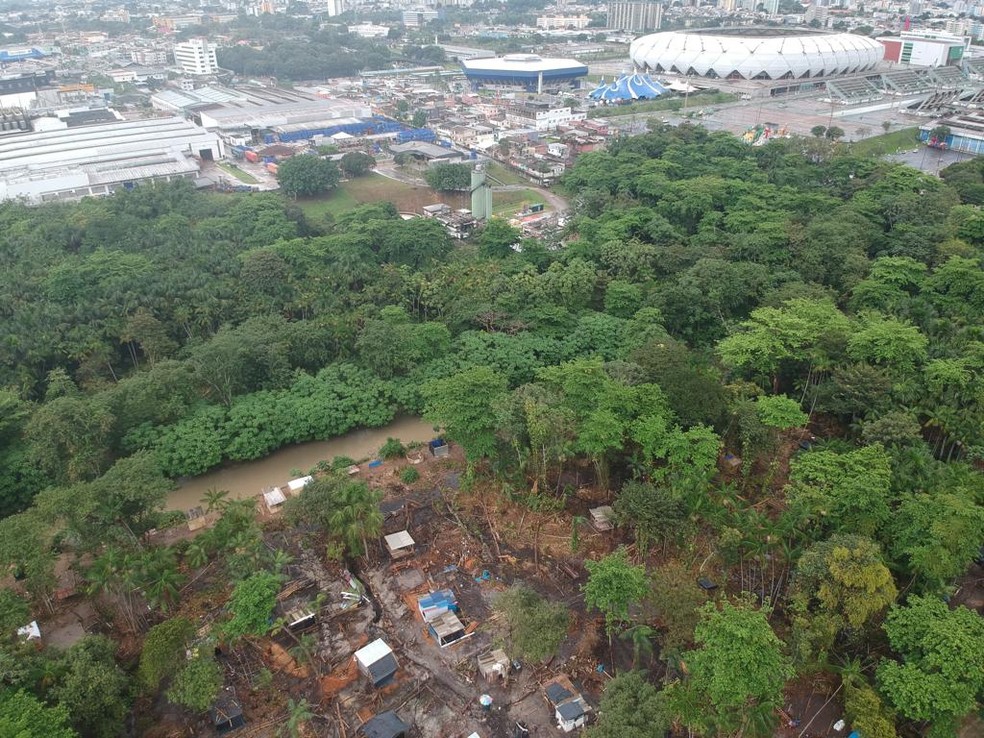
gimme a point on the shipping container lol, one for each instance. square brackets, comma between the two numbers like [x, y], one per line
[272, 168]
[252, 156]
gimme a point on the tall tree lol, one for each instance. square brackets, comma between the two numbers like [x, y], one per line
[737, 675]
[463, 404]
[631, 707]
[939, 679]
[614, 585]
[307, 176]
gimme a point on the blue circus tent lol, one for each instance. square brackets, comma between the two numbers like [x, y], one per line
[628, 87]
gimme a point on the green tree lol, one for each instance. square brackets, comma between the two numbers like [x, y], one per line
[24, 716]
[197, 685]
[737, 675]
[497, 238]
[419, 119]
[298, 714]
[93, 688]
[252, 603]
[832, 492]
[449, 177]
[357, 163]
[631, 707]
[463, 405]
[865, 710]
[536, 626]
[937, 535]
[163, 651]
[614, 585]
[845, 575]
[653, 512]
[939, 679]
[818, 131]
[307, 176]
[676, 600]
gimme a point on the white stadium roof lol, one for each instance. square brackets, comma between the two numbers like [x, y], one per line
[530, 63]
[755, 53]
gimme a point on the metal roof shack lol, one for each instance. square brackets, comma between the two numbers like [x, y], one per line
[570, 709]
[399, 544]
[377, 662]
[226, 712]
[385, 725]
[447, 629]
[437, 603]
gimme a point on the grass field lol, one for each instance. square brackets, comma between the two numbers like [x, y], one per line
[509, 202]
[411, 198]
[887, 143]
[505, 175]
[236, 172]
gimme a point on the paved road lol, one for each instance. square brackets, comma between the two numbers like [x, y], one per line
[930, 160]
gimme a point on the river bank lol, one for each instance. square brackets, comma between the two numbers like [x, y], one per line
[250, 478]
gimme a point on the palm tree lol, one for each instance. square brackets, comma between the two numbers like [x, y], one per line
[215, 499]
[281, 560]
[298, 713]
[158, 577]
[641, 636]
[196, 555]
[357, 517]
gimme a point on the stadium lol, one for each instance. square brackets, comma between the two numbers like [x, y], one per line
[524, 71]
[755, 53]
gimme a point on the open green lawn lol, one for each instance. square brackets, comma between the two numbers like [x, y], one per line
[236, 172]
[506, 175]
[510, 202]
[411, 198]
[887, 143]
[694, 102]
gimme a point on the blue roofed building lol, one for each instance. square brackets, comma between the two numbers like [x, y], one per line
[528, 72]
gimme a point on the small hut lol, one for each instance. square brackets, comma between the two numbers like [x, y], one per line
[494, 665]
[226, 712]
[385, 725]
[446, 629]
[399, 544]
[601, 517]
[377, 662]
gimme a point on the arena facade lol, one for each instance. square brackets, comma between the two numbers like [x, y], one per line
[755, 53]
[529, 72]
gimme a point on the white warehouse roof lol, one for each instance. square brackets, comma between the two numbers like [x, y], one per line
[91, 160]
[755, 53]
[530, 63]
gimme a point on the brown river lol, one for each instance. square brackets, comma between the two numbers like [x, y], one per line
[252, 477]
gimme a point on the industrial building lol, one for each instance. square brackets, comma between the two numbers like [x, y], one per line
[69, 163]
[635, 16]
[529, 72]
[248, 115]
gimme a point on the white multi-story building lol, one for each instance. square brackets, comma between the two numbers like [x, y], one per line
[541, 118]
[552, 22]
[196, 56]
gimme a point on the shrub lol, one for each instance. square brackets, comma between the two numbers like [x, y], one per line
[409, 475]
[392, 449]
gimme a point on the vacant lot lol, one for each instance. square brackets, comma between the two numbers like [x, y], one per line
[408, 198]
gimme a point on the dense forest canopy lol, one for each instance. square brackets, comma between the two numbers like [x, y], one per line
[709, 297]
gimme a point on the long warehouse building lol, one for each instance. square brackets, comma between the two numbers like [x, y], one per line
[72, 163]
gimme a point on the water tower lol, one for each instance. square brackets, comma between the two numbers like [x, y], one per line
[481, 194]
